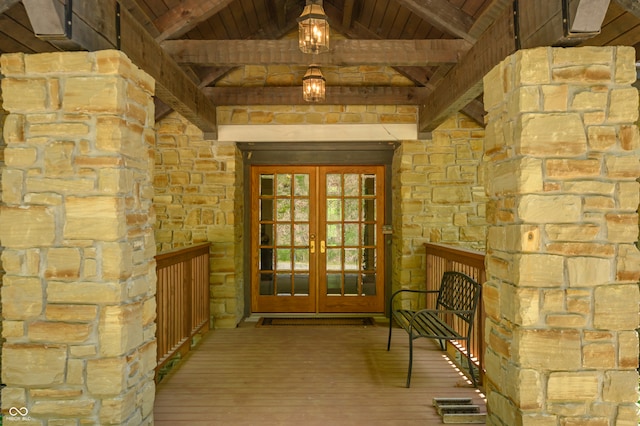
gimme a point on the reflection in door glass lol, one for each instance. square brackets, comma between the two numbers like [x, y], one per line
[283, 259]
[301, 234]
[301, 210]
[351, 260]
[351, 185]
[368, 184]
[334, 209]
[334, 259]
[266, 184]
[266, 209]
[301, 259]
[334, 234]
[284, 209]
[283, 235]
[351, 234]
[334, 184]
[301, 185]
[334, 284]
[351, 212]
[284, 184]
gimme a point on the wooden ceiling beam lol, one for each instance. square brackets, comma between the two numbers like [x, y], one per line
[335, 95]
[94, 28]
[342, 53]
[347, 13]
[186, 16]
[541, 25]
[442, 15]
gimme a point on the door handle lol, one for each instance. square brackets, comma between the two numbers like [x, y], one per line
[312, 247]
[322, 247]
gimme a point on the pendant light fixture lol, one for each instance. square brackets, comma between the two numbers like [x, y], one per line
[313, 28]
[313, 85]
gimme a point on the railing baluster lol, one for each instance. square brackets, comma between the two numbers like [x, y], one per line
[182, 300]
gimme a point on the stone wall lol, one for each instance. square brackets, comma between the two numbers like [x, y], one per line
[562, 292]
[438, 196]
[3, 116]
[77, 229]
[197, 201]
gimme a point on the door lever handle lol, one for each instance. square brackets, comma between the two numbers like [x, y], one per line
[322, 247]
[312, 246]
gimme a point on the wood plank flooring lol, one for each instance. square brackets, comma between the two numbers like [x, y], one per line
[308, 376]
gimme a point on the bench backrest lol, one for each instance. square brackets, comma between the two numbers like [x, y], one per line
[459, 292]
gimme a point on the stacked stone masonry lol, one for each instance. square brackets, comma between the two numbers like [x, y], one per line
[77, 230]
[561, 299]
[198, 198]
[438, 196]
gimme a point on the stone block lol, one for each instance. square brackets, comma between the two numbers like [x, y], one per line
[22, 297]
[589, 101]
[25, 227]
[120, 329]
[548, 349]
[12, 186]
[107, 376]
[629, 137]
[64, 408]
[84, 292]
[550, 208]
[62, 263]
[602, 138]
[20, 157]
[623, 106]
[71, 313]
[589, 271]
[94, 94]
[555, 98]
[621, 228]
[34, 364]
[572, 169]
[616, 307]
[579, 232]
[620, 386]
[552, 135]
[119, 410]
[24, 95]
[538, 270]
[532, 66]
[90, 218]
[600, 356]
[117, 260]
[59, 332]
[573, 386]
[451, 194]
[624, 167]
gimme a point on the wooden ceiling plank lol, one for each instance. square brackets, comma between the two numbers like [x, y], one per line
[343, 52]
[443, 15]
[347, 13]
[631, 6]
[464, 82]
[7, 4]
[187, 16]
[335, 95]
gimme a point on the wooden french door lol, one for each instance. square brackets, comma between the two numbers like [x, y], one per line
[316, 243]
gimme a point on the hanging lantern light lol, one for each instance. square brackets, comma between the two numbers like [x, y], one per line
[313, 85]
[313, 28]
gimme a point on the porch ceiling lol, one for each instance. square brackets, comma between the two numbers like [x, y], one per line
[443, 47]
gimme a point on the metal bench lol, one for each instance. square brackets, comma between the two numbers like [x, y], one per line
[458, 296]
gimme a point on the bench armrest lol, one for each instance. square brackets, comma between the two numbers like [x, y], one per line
[408, 290]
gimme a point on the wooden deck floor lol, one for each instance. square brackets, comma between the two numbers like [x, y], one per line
[308, 376]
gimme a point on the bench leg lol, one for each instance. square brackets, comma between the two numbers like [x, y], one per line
[410, 361]
[390, 327]
[473, 376]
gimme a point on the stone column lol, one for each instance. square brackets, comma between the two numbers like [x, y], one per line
[76, 225]
[562, 292]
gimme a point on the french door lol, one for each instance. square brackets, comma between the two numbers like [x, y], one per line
[316, 242]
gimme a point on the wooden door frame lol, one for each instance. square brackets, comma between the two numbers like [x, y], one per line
[315, 154]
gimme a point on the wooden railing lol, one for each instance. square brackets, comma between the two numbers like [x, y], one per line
[441, 258]
[182, 300]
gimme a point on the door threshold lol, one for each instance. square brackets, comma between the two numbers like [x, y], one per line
[255, 317]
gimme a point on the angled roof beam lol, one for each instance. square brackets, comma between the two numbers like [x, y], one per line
[343, 52]
[94, 28]
[442, 15]
[543, 26]
[347, 13]
[186, 16]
